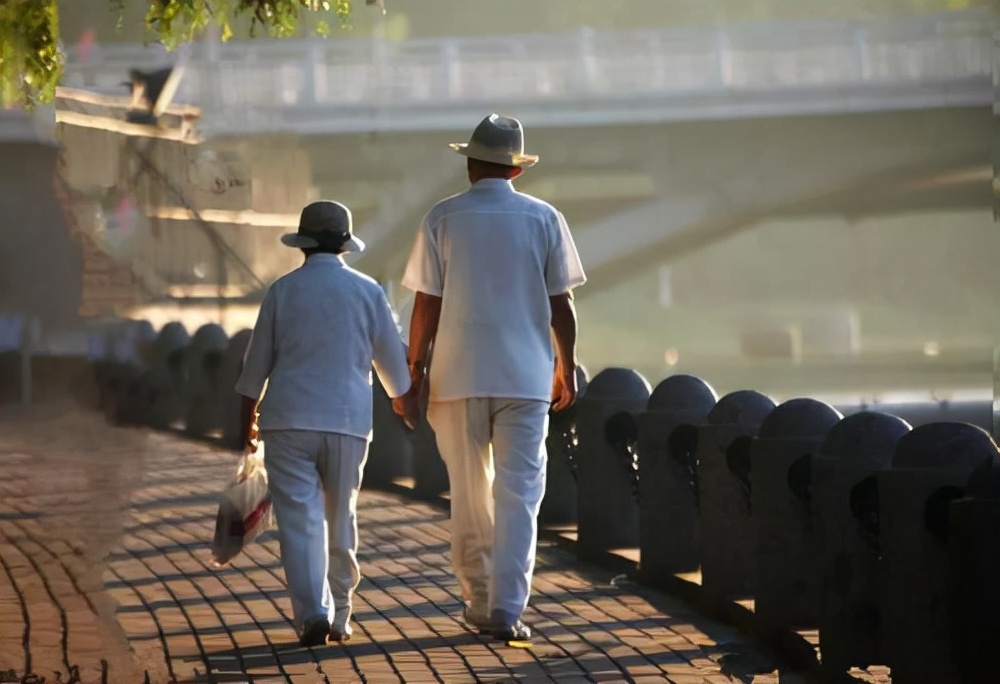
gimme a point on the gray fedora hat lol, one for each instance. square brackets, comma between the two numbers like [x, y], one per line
[497, 139]
[325, 224]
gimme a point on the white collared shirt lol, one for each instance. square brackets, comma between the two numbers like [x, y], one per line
[319, 331]
[494, 256]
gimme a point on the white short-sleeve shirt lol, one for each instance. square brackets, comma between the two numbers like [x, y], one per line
[320, 330]
[494, 256]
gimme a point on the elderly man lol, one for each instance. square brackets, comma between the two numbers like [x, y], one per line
[319, 331]
[493, 270]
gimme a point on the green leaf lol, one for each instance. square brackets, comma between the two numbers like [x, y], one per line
[31, 62]
[30, 58]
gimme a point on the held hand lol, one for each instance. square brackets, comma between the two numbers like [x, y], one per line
[412, 414]
[399, 406]
[407, 408]
[563, 389]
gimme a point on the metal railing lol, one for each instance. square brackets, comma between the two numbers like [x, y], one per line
[935, 59]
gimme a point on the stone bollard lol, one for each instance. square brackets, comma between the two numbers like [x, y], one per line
[974, 546]
[728, 568]
[668, 475]
[226, 400]
[917, 413]
[430, 475]
[561, 444]
[930, 468]
[390, 454]
[202, 366]
[788, 566]
[12, 338]
[162, 386]
[607, 510]
[845, 507]
[128, 346]
[99, 356]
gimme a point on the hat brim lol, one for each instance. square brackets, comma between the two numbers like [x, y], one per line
[353, 244]
[300, 241]
[505, 158]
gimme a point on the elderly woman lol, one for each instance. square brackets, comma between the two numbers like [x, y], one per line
[320, 330]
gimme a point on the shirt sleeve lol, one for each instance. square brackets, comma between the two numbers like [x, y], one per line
[563, 270]
[389, 357]
[258, 361]
[425, 268]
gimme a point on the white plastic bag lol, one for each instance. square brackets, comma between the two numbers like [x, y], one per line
[245, 509]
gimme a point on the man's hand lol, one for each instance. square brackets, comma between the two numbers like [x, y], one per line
[564, 334]
[563, 388]
[408, 408]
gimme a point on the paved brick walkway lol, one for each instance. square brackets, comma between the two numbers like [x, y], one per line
[106, 577]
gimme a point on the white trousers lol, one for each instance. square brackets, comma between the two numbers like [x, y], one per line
[314, 478]
[494, 450]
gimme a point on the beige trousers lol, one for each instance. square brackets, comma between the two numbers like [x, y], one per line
[494, 450]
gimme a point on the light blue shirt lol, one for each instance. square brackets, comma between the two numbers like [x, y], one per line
[320, 330]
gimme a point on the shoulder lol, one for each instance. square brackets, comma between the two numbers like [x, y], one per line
[280, 284]
[364, 283]
[535, 205]
[449, 205]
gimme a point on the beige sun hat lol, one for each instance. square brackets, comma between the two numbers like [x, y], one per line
[497, 139]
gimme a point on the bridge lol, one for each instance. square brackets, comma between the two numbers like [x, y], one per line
[589, 77]
[657, 145]
[685, 135]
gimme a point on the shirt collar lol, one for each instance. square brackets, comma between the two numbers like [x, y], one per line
[325, 258]
[493, 184]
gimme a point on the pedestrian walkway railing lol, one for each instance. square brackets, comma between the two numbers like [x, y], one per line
[586, 76]
[839, 524]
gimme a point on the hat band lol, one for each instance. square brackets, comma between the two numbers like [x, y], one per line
[323, 235]
[496, 155]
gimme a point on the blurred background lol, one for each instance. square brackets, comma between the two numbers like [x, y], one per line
[794, 196]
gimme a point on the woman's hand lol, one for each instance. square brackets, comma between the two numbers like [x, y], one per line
[408, 407]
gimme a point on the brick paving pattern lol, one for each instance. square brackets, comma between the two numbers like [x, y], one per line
[106, 577]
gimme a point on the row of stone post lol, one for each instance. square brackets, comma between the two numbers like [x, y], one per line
[873, 532]
[171, 379]
[884, 537]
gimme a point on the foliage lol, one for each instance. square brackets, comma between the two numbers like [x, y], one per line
[31, 61]
[179, 21]
[30, 58]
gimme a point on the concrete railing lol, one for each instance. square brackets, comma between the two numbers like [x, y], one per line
[577, 77]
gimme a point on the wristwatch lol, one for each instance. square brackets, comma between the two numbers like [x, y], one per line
[417, 369]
